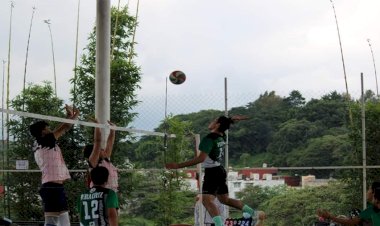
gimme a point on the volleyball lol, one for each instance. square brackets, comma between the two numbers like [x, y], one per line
[177, 77]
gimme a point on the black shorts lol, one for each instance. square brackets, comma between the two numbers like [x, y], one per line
[215, 181]
[53, 197]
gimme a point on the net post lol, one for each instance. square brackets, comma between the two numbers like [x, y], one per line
[199, 172]
[103, 71]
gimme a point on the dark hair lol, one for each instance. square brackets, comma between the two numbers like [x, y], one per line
[99, 175]
[375, 185]
[37, 127]
[87, 150]
[376, 194]
[224, 123]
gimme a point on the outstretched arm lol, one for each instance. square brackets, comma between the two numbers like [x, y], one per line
[110, 141]
[344, 221]
[94, 157]
[71, 113]
[198, 159]
[237, 118]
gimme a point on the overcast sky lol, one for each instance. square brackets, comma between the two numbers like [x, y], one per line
[258, 45]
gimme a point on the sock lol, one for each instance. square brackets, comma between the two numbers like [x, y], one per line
[64, 219]
[217, 220]
[247, 209]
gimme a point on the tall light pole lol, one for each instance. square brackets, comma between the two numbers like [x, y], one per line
[374, 66]
[3, 129]
[26, 57]
[7, 104]
[344, 67]
[52, 50]
[76, 56]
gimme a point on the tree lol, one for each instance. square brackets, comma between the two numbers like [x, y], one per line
[298, 206]
[161, 197]
[38, 99]
[295, 99]
[244, 157]
[330, 110]
[125, 75]
[327, 150]
[256, 196]
[372, 124]
[292, 134]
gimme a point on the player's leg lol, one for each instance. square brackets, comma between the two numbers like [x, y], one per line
[209, 188]
[208, 202]
[48, 197]
[226, 200]
[248, 212]
[51, 220]
[64, 219]
[55, 204]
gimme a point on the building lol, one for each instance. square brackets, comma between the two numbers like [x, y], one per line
[241, 178]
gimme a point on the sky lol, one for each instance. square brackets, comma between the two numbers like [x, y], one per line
[259, 46]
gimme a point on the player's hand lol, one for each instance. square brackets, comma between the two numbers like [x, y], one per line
[171, 165]
[69, 111]
[111, 124]
[75, 112]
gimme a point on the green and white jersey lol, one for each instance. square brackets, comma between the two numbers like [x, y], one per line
[365, 215]
[213, 144]
[93, 205]
[375, 218]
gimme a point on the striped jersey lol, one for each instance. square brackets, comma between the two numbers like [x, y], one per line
[93, 206]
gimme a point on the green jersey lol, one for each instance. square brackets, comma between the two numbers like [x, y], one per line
[93, 206]
[213, 144]
[375, 218]
[365, 215]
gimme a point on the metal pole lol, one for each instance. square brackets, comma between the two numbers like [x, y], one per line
[134, 33]
[166, 119]
[2, 131]
[26, 57]
[7, 104]
[364, 153]
[227, 212]
[103, 71]
[52, 51]
[226, 114]
[76, 57]
[343, 64]
[374, 66]
[201, 219]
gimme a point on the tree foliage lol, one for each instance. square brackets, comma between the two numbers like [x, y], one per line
[23, 189]
[124, 76]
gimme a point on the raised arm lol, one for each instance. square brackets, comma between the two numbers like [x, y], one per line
[110, 141]
[71, 113]
[94, 157]
[237, 118]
